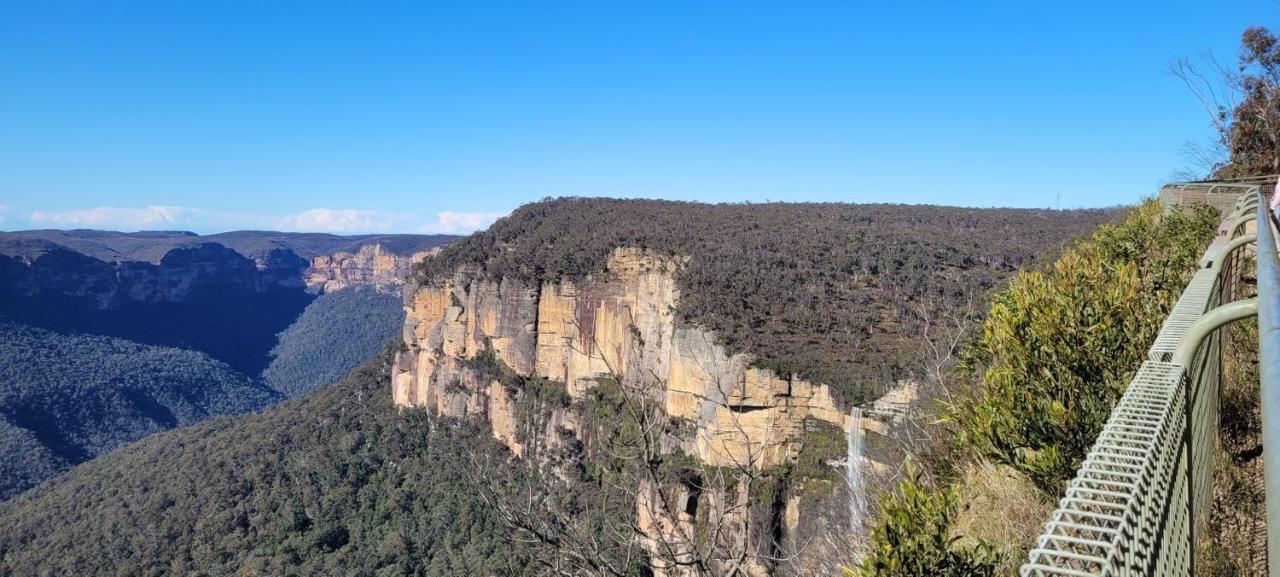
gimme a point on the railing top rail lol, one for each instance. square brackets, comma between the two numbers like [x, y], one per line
[1269, 372]
[1234, 189]
[1254, 179]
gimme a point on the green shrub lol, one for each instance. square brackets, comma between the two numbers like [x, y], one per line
[1060, 345]
[823, 442]
[913, 538]
[486, 366]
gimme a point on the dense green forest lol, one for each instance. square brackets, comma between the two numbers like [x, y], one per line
[65, 398]
[833, 292]
[335, 334]
[337, 482]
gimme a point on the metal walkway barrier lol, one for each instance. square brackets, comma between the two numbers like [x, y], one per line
[1138, 503]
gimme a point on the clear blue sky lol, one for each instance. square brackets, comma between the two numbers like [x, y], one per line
[354, 116]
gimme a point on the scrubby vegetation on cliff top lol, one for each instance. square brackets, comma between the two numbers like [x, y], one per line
[338, 482]
[831, 292]
[67, 398]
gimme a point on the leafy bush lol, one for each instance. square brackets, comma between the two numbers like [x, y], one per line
[1060, 345]
[913, 538]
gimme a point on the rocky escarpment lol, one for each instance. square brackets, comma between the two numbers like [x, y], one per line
[204, 296]
[371, 265]
[228, 298]
[113, 267]
[227, 295]
[620, 323]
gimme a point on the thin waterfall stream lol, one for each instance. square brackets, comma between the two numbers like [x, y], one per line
[853, 468]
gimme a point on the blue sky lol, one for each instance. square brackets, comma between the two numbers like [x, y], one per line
[412, 117]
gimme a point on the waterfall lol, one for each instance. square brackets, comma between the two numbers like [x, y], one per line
[853, 469]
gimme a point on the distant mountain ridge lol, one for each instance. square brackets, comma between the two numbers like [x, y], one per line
[227, 294]
[110, 336]
[152, 246]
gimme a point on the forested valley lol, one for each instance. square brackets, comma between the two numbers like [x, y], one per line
[340, 480]
[337, 482]
[833, 289]
[100, 353]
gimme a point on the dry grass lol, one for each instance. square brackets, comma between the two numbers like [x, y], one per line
[1000, 506]
[1235, 539]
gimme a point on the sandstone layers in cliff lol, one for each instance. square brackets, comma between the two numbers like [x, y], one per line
[621, 322]
[372, 265]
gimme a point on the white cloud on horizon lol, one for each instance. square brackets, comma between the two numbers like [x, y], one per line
[341, 220]
[450, 222]
[149, 217]
[330, 220]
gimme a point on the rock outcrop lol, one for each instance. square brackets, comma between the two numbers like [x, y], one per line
[371, 265]
[619, 323]
[112, 268]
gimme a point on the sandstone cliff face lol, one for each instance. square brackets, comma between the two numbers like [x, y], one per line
[621, 322]
[372, 265]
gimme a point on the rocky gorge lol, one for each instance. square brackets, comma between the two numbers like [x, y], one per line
[228, 295]
[695, 365]
[619, 326]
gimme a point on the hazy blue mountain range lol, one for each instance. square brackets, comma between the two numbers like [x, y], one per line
[108, 337]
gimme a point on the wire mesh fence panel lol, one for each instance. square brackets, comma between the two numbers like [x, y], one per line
[1141, 497]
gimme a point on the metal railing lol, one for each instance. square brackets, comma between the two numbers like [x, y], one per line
[1216, 194]
[1269, 370]
[1139, 502]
